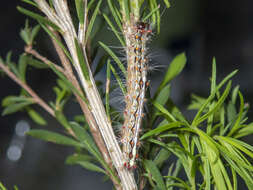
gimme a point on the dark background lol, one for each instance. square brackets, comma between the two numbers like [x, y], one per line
[202, 29]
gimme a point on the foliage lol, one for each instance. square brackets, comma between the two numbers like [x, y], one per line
[210, 145]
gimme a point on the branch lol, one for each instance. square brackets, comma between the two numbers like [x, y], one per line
[29, 50]
[87, 113]
[36, 98]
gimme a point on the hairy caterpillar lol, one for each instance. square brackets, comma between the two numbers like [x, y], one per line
[136, 87]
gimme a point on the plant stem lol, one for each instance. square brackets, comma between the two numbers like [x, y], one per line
[87, 113]
[36, 98]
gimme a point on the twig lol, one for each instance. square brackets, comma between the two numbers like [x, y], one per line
[36, 98]
[87, 113]
[30, 50]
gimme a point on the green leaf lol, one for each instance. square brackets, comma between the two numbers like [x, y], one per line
[84, 137]
[34, 32]
[234, 94]
[68, 83]
[75, 158]
[35, 63]
[92, 20]
[38, 17]
[161, 157]
[30, 2]
[114, 14]
[161, 129]
[236, 126]
[90, 166]
[80, 10]
[176, 66]
[125, 9]
[2, 187]
[209, 141]
[216, 106]
[156, 175]
[82, 61]
[246, 130]
[163, 95]
[116, 33]
[242, 146]
[25, 35]
[115, 58]
[167, 3]
[122, 87]
[16, 107]
[22, 65]
[168, 115]
[36, 117]
[15, 99]
[107, 93]
[183, 184]
[150, 13]
[62, 119]
[50, 33]
[54, 137]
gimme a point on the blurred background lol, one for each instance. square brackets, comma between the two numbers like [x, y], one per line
[201, 28]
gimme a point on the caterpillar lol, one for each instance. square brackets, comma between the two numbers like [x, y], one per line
[136, 87]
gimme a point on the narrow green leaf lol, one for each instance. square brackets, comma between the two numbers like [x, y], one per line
[115, 58]
[176, 66]
[81, 60]
[116, 33]
[167, 3]
[90, 166]
[92, 20]
[213, 79]
[150, 13]
[158, 16]
[122, 87]
[164, 111]
[38, 17]
[246, 130]
[75, 158]
[8, 100]
[107, 93]
[90, 145]
[25, 36]
[62, 119]
[2, 187]
[22, 65]
[238, 120]
[80, 10]
[36, 117]
[35, 63]
[163, 95]
[84, 137]
[161, 129]
[216, 106]
[68, 83]
[114, 14]
[234, 94]
[16, 107]
[242, 146]
[156, 175]
[34, 32]
[30, 2]
[209, 141]
[50, 33]
[183, 184]
[125, 9]
[161, 157]
[54, 137]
